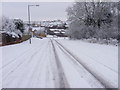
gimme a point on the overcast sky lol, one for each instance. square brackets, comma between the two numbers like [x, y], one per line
[46, 10]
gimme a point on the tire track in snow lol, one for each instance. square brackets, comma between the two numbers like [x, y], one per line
[31, 72]
[22, 62]
[83, 73]
[53, 67]
[108, 67]
[38, 65]
[105, 83]
[21, 55]
[63, 83]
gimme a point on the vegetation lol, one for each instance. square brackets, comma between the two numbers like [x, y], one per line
[93, 20]
[12, 31]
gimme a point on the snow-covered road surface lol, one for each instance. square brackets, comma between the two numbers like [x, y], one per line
[52, 63]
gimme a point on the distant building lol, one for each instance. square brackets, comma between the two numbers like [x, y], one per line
[57, 32]
[39, 31]
[55, 27]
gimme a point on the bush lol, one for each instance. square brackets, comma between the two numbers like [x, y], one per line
[8, 39]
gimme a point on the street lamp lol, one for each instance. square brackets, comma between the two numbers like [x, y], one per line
[29, 17]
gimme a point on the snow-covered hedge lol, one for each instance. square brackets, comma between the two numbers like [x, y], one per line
[9, 27]
[11, 30]
[102, 41]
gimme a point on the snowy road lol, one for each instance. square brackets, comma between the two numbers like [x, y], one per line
[47, 63]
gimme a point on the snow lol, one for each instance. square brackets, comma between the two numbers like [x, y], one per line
[57, 29]
[45, 64]
[38, 28]
[49, 36]
[14, 34]
[56, 32]
[75, 76]
[102, 59]
[26, 66]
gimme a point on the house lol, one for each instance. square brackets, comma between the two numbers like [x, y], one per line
[39, 31]
[57, 32]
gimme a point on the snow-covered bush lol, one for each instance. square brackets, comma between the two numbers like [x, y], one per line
[11, 30]
[7, 25]
[102, 41]
[11, 26]
[19, 25]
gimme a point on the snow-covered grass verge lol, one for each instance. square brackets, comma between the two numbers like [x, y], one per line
[102, 41]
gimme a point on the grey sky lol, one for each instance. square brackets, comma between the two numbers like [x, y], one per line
[46, 10]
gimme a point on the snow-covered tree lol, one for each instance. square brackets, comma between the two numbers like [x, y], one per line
[7, 24]
[93, 19]
[19, 24]
[12, 27]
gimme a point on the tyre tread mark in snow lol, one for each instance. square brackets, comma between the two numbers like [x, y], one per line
[63, 81]
[20, 64]
[13, 60]
[53, 66]
[106, 84]
[35, 68]
[78, 66]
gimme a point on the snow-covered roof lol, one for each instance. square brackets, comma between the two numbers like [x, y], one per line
[37, 28]
[62, 32]
[56, 32]
[56, 29]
